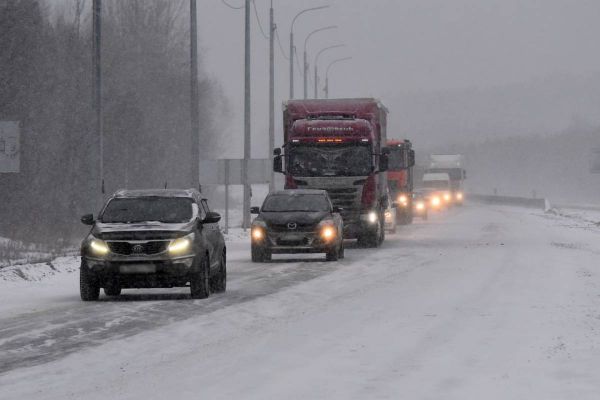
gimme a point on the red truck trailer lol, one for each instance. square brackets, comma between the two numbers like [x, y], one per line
[339, 145]
[400, 178]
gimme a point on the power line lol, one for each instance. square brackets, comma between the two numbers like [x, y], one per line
[279, 43]
[258, 20]
[230, 6]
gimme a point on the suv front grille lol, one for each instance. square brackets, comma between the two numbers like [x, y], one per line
[147, 248]
[299, 228]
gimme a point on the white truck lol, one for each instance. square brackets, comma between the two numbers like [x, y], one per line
[453, 165]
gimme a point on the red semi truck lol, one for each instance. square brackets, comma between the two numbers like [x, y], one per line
[339, 145]
[400, 178]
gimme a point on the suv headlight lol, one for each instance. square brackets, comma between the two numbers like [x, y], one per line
[258, 231]
[181, 245]
[98, 247]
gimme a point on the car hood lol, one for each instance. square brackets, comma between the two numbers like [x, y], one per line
[300, 218]
[141, 230]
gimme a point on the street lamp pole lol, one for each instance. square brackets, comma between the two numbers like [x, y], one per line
[317, 64]
[327, 73]
[305, 57]
[292, 46]
[194, 100]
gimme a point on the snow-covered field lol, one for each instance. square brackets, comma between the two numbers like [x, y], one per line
[476, 303]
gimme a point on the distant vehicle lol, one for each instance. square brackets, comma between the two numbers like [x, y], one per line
[339, 145]
[440, 183]
[453, 165]
[153, 239]
[297, 221]
[422, 202]
[400, 177]
[391, 220]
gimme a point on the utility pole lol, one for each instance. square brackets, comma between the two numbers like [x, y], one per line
[97, 61]
[272, 28]
[246, 211]
[194, 101]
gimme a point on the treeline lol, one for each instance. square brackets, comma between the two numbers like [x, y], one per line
[46, 83]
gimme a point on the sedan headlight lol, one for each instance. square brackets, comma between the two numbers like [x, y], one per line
[180, 245]
[420, 206]
[459, 196]
[435, 201]
[447, 197]
[98, 247]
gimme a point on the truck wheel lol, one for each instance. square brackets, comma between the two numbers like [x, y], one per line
[218, 283]
[113, 289]
[89, 289]
[199, 280]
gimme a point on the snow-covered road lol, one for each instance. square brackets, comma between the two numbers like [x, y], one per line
[479, 302]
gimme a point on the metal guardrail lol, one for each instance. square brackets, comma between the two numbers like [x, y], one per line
[509, 200]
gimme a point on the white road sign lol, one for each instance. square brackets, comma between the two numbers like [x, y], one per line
[9, 147]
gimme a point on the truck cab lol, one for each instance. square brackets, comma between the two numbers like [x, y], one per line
[400, 178]
[338, 145]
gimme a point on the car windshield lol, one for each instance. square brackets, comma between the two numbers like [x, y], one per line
[436, 184]
[141, 209]
[330, 160]
[296, 202]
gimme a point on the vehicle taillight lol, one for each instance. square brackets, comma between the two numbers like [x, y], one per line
[290, 182]
[369, 193]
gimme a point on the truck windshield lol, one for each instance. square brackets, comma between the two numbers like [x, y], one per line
[141, 209]
[296, 202]
[330, 160]
[396, 159]
[436, 184]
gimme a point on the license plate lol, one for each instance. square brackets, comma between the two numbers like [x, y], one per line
[137, 269]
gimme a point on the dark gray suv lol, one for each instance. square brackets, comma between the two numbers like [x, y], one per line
[153, 239]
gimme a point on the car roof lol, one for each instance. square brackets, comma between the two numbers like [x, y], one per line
[126, 193]
[294, 192]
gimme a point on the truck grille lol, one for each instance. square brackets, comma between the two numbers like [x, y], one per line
[148, 248]
[343, 197]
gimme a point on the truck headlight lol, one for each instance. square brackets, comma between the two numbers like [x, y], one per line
[420, 206]
[372, 217]
[447, 197]
[180, 245]
[459, 196]
[99, 247]
[403, 200]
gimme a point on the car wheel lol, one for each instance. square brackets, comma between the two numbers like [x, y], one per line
[199, 280]
[333, 254]
[218, 283]
[112, 289]
[257, 254]
[89, 289]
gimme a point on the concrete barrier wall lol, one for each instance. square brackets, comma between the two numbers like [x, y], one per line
[508, 200]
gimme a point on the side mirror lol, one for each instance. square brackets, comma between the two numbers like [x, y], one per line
[337, 209]
[254, 210]
[278, 163]
[411, 158]
[211, 218]
[277, 151]
[383, 162]
[88, 219]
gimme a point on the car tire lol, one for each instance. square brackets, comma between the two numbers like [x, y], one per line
[112, 290]
[200, 280]
[333, 254]
[257, 254]
[218, 283]
[89, 289]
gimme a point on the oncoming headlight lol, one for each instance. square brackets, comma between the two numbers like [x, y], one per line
[258, 233]
[459, 196]
[447, 197]
[435, 201]
[180, 245]
[420, 206]
[328, 232]
[372, 217]
[99, 247]
[403, 199]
